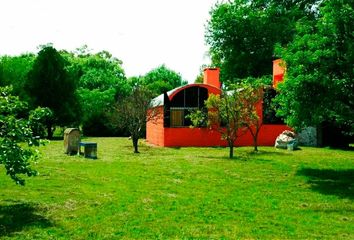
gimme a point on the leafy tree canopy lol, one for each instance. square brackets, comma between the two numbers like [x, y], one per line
[14, 131]
[242, 34]
[162, 79]
[14, 70]
[97, 70]
[319, 85]
[101, 80]
[49, 85]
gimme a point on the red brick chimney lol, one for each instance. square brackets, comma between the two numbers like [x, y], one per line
[278, 71]
[212, 77]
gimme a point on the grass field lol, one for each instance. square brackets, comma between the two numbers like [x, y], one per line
[182, 193]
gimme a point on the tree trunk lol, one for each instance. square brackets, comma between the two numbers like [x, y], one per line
[255, 146]
[231, 146]
[255, 138]
[255, 143]
[49, 131]
[135, 144]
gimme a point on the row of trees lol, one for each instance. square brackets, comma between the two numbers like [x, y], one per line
[80, 87]
[39, 92]
[314, 37]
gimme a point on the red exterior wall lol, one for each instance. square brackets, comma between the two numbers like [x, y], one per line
[204, 137]
[269, 132]
[192, 137]
[155, 132]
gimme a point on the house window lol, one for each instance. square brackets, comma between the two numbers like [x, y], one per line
[183, 103]
[269, 114]
[179, 116]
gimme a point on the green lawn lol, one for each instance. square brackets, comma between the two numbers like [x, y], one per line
[182, 193]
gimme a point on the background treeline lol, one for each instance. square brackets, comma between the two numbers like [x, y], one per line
[79, 87]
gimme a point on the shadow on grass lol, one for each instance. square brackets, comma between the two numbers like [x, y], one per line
[15, 217]
[343, 148]
[280, 152]
[225, 157]
[175, 148]
[330, 182]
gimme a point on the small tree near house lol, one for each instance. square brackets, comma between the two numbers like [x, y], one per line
[233, 113]
[132, 112]
[250, 97]
[226, 116]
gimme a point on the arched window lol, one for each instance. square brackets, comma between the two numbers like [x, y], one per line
[182, 104]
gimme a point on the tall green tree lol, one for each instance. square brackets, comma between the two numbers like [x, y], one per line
[49, 85]
[162, 79]
[101, 81]
[242, 34]
[15, 130]
[319, 84]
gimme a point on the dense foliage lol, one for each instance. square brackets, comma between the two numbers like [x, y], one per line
[15, 130]
[39, 120]
[162, 79]
[14, 70]
[101, 80]
[242, 34]
[319, 86]
[49, 85]
[315, 38]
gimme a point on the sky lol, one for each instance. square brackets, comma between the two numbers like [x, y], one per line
[142, 33]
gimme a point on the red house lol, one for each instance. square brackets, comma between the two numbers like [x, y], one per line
[172, 128]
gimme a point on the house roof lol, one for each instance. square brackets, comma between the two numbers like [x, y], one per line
[159, 100]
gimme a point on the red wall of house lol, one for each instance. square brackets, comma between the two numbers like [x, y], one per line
[192, 137]
[269, 132]
[204, 137]
[154, 128]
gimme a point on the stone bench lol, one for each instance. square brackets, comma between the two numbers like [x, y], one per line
[90, 149]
